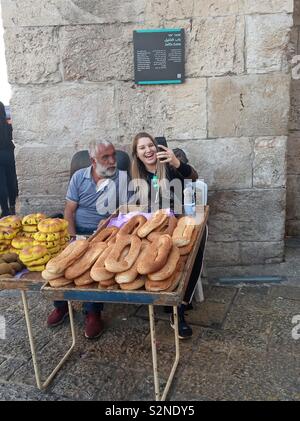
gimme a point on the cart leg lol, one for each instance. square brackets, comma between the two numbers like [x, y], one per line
[154, 354]
[177, 354]
[154, 351]
[32, 344]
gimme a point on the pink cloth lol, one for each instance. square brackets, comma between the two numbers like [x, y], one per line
[123, 218]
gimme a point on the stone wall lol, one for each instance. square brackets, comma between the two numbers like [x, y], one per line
[293, 148]
[71, 67]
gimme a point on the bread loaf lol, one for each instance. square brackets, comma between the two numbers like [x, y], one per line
[138, 283]
[131, 274]
[167, 227]
[114, 262]
[153, 223]
[182, 234]
[169, 268]
[67, 257]
[106, 235]
[133, 225]
[85, 261]
[98, 271]
[155, 255]
[84, 279]
[60, 282]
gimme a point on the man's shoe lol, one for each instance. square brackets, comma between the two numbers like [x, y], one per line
[57, 316]
[184, 330]
[93, 325]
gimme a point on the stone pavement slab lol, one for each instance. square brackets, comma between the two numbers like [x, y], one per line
[242, 349]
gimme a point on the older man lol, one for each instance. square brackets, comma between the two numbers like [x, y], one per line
[96, 191]
[93, 194]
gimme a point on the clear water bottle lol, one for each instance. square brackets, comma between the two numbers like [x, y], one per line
[189, 201]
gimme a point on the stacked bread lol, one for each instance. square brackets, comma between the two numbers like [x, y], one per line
[10, 227]
[44, 238]
[52, 233]
[30, 224]
[143, 253]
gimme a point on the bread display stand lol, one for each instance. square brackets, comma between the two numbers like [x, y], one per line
[28, 282]
[151, 299]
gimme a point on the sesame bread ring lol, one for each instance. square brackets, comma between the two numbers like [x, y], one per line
[156, 286]
[131, 274]
[84, 262]
[157, 219]
[4, 247]
[106, 235]
[167, 227]
[99, 272]
[27, 234]
[108, 283]
[50, 276]
[30, 228]
[59, 282]
[7, 233]
[84, 279]
[187, 249]
[52, 225]
[115, 262]
[155, 255]
[41, 261]
[11, 221]
[33, 218]
[182, 234]
[21, 242]
[30, 254]
[133, 225]
[138, 283]
[68, 256]
[168, 269]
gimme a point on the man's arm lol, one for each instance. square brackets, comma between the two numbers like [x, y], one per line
[69, 215]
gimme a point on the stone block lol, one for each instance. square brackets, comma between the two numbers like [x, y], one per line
[48, 204]
[267, 6]
[222, 254]
[97, 52]
[266, 42]
[296, 12]
[293, 153]
[294, 123]
[46, 169]
[293, 227]
[215, 47]
[68, 114]
[157, 12]
[293, 197]
[255, 253]
[252, 105]
[177, 112]
[70, 12]
[221, 163]
[204, 8]
[32, 55]
[269, 166]
[253, 215]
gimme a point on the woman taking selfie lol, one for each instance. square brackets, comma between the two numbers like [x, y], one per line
[152, 165]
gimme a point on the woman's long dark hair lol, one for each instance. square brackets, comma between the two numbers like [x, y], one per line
[3, 118]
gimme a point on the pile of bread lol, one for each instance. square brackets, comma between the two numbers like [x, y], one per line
[142, 253]
[34, 238]
[10, 264]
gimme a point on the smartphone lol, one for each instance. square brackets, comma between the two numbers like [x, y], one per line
[161, 140]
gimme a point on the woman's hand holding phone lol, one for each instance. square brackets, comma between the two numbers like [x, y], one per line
[167, 156]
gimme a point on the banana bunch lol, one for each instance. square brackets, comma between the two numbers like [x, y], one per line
[35, 257]
[9, 229]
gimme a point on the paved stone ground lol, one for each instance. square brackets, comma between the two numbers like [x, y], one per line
[242, 349]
